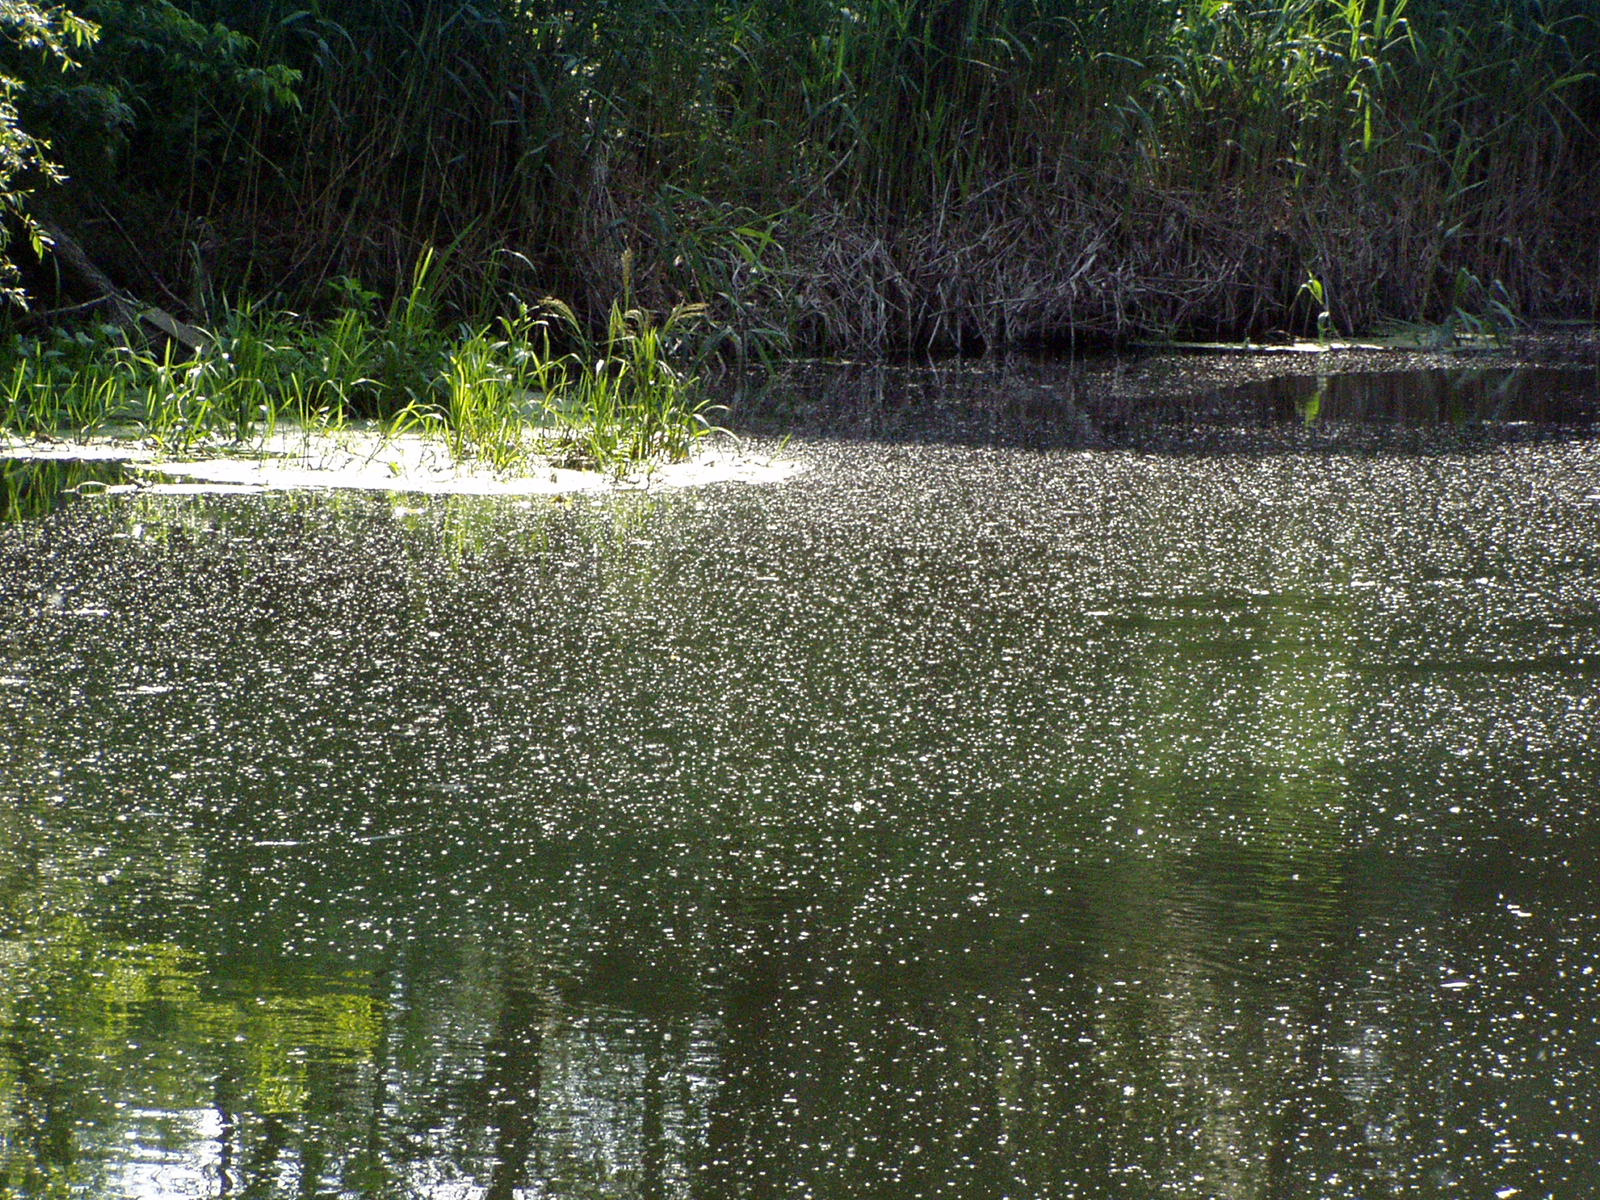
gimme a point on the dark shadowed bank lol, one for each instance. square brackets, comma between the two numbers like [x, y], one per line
[866, 177]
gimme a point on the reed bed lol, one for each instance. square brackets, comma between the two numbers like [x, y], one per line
[912, 174]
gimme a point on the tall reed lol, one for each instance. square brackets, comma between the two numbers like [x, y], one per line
[908, 173]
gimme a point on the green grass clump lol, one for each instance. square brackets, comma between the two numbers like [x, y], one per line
[609, 403]
[621, 399]
[536, 385]
[507, 392]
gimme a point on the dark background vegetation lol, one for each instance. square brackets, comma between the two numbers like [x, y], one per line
[865, 177]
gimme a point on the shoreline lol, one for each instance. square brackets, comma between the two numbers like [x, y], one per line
[355, 459]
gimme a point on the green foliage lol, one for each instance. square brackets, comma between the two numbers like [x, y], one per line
[1313, 290]
[612, 403]
[499, 395]
[954, 170]
[862, 176]
[621, 400]
[158, 82]
[33, 38]
[149, 128]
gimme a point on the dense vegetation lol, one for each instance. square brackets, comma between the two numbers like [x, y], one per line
[865, 177]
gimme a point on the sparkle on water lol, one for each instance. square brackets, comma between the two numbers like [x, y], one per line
[1036, 802]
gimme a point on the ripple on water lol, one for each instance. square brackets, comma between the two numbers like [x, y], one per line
[954, 820]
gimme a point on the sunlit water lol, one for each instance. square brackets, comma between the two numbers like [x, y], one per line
[1053, 804]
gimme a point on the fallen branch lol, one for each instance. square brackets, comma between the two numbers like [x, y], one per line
[134, 318]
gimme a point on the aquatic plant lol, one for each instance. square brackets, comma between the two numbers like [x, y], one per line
[1314, 291]
[532, 383]
[491, 385]
[621, 400]
[611, 402]
[74, 383]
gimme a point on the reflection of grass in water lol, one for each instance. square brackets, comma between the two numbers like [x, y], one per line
[30, 490]
[459, 531]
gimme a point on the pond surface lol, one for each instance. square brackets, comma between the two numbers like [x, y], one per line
[1191, 808]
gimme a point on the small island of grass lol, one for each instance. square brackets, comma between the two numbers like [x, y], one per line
[370, 386]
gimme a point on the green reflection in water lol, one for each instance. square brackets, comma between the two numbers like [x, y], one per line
[30, 490]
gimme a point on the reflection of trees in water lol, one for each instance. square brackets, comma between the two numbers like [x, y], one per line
[509, 1092]
[1215, 1057]
[1162, 403]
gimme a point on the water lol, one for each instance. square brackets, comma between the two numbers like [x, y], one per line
[1194, 808]
[33, 489]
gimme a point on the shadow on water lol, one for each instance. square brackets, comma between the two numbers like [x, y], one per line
[1493, 398]
[1046, 406]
